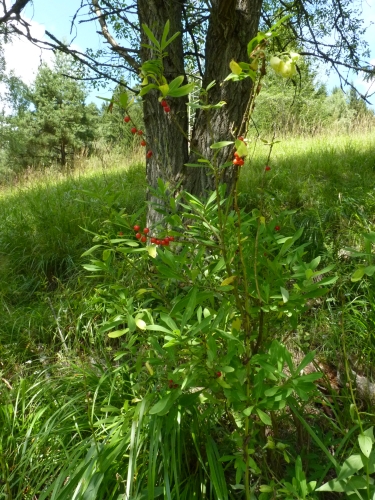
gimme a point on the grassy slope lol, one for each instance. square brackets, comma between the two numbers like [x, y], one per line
[330, 183]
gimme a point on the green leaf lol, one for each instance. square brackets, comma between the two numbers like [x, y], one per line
[358, 274]
[365, 443]
[190, 306]
[158, 328]
[150, 35]
[351, 465]
[117, 333]
[91, 250]
[334, 485]
[285, 294]
[264, 417]
[165, 35]
[93, 486]
[306, 360]
[123, 98]
[174, 84]
[241, 148]
[221, 144]
[369, 270]
[370, 236]
[163, 406]
[181, 91]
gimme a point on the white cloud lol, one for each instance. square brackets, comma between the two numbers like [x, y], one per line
[23, 57]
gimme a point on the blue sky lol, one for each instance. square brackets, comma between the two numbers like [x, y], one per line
[56, 16]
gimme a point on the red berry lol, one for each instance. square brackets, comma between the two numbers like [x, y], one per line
[167, 109]
[164, 103]
[277, 228]
[136, 228]
[149, 154]
[171, 238]
[143, 239]
[240, 162]
[121, 233]
[138, 236]
[267, 168]
[133, 130]
[235, 161]
[127, 119]
[146, 230]
[240, 138]
[236, 154]
[140, 132]
[143, 143]
[166, 242]
[153, 240]
[218, 374]
[158, 242]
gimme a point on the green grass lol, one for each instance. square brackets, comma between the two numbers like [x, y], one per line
[51, 401]
[45, 226]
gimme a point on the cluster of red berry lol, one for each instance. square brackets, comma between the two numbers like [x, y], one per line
[238, 160]
[156, 241]
[171, 384]
[165, 106]
[134, 131]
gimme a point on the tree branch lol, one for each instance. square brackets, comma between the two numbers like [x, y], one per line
[15, 10]
[122, 51]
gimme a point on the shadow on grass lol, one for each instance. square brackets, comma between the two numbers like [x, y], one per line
[45, 228]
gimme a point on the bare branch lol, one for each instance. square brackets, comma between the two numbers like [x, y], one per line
[122, 51]
[15, 11]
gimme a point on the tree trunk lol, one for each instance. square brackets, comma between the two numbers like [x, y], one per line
[233, 23]
[166, 132]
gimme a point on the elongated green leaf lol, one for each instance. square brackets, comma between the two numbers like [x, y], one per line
[264, 417]
[221, 144]
[172, 38]
[306, 360]
[150, 35]
[190, 307]
[351, 466]
[158, 328]
[181, 91]
[163, 406]
[147, 88]
[285, 294]
[174, 84]
[91, 250]
[165, 35]
[216, 470]
[117, 333]
[93, 487]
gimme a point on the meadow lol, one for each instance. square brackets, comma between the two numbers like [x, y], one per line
[64, 388]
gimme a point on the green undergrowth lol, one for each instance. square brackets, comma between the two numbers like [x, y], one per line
[63, 392]
[45, 226]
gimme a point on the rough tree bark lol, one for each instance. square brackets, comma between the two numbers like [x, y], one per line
[232, 24]
[166, 132]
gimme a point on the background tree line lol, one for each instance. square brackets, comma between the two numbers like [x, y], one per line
[51, 123]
